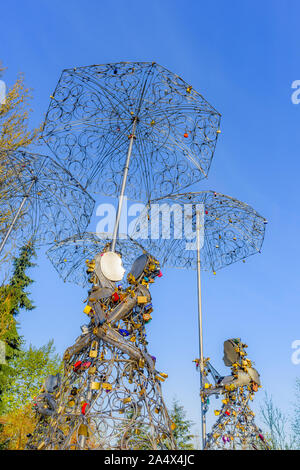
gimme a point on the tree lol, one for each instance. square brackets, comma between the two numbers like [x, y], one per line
[182, 432]
[14, 117]
[29, 370]
[13, 298]
[14, 134]
[296, 415]
[277, 433]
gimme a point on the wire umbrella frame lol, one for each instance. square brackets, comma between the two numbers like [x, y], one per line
[96, 110]
[44, 201]
[231, 230]
[133, 126]
[69, 256]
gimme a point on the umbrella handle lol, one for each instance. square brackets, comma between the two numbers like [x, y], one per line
[125, 174]
[203, 418]
[16, 216]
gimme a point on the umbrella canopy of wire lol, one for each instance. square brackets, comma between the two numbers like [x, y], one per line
[56, 204]
[69, 256]
[93, 113]
[232, 230]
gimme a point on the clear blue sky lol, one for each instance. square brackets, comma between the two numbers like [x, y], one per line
[243, 57]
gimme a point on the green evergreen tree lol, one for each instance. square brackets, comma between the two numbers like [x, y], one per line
[182, 432]
[13, 298]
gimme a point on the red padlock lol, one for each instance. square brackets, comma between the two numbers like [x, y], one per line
[84, 408]
[77, 366]
[86, 365]
[115, 297]
[185, 135]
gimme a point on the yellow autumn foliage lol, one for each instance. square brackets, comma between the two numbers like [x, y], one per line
[14, 134]
[16, 425]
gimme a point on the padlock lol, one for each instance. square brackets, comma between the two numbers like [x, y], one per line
[77, 366]
[141, 299]
[87, 309]
[127, 400]
[106, 386]
[115, 297]
[147, 317]
[123, 332]
[95, 386]
[163, 374]
[83, 430]
[141, 363]
[94, 349]
[84, 408]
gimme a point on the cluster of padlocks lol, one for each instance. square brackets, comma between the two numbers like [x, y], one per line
[235, 427]
[109, 396]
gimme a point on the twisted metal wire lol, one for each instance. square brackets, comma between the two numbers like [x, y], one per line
[235, 428]
[110, 396]
[90, 118]
[57, 204]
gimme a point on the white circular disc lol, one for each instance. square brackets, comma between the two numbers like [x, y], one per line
[111, 266]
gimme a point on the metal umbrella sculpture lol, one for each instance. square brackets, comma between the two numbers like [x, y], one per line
[235, 428]
[134, 124]
[69, 256]
[208, 231]
[109, 396]
[43, 200]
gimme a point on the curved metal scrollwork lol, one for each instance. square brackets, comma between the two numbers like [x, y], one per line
[90, 119]
[110, 395]
[69, 256]
[56, 203]
[232, 230]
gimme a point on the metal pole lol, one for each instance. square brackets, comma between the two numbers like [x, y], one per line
[16, 216]
[120, 204]
[203, 418]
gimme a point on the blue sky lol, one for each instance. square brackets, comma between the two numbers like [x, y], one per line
[243, 57]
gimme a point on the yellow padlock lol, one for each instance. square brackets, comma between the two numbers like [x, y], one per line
[83, 430]
[141, 363]
[141, 299]
[164, 375]
[94, 349]
[92, 370]
[106, 386]
[95, 386]
[87, 309]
